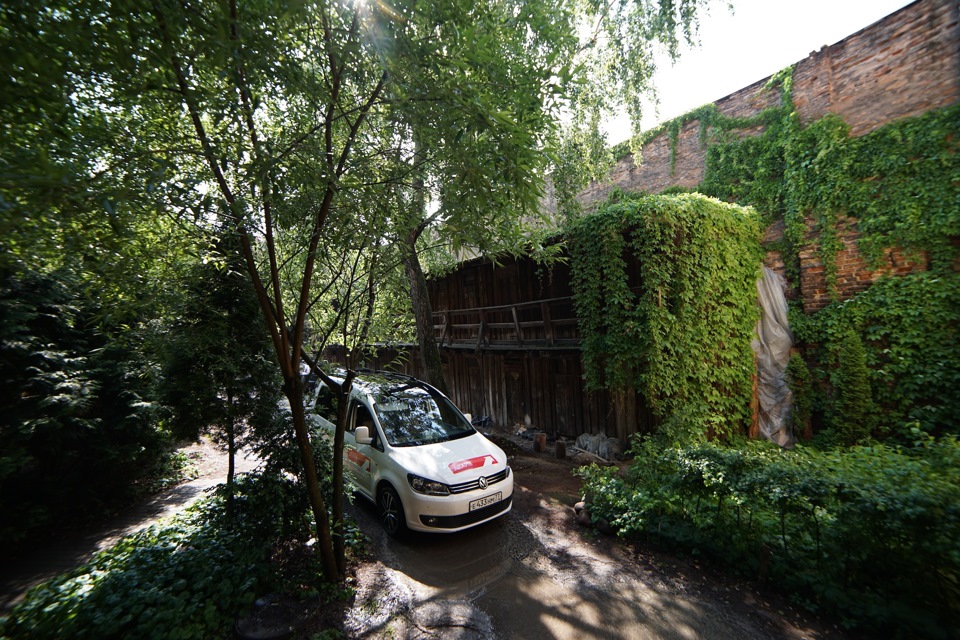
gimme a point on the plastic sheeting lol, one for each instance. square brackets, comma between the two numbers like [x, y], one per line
[772, 345]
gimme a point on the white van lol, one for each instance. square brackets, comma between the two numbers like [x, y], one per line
[416, 456]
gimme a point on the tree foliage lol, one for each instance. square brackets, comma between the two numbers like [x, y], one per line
[614, 64]
[800, 381]
[869, 534]
[306, 137]
[77, 433]
[218, 375]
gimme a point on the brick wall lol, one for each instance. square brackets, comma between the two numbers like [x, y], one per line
[654, 173]
[853, 273]
[899, 67]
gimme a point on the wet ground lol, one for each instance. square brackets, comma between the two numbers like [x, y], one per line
[531, 574]
[535, 574]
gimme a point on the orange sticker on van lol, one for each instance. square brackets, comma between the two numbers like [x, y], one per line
[471, 463]
[358, 459]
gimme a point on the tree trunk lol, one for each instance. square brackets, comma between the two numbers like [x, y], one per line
[343, 407]
[423, 314]
[231, 442]
[231, 452]
[231, 456]
[419, 295]
[294, 393]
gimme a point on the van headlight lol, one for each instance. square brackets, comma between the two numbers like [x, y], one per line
[428, 487]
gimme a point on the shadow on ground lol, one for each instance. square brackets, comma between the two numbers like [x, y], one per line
[75, 548]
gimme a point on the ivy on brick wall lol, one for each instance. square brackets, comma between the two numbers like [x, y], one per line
[899, 182]
[900, 186]
[680, 332]
[911, 339]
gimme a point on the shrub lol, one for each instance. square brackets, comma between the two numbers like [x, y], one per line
[870, 534]
[187, 579]
[853, 404]
[799, 381]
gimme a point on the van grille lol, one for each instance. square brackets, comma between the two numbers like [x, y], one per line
[463, 487]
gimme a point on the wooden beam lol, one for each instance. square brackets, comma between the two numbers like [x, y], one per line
[547, 324]
[446, 328]
[483, 329]
[516, 326]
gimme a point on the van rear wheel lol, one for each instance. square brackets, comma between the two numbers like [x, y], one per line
[392, 517]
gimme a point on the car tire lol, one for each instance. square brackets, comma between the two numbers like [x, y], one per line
[392, 517]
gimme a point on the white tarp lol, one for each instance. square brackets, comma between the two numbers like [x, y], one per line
[772, 345]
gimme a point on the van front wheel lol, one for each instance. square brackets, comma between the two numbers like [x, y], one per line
[392, 518]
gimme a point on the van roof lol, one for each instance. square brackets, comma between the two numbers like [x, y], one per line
[385, 382]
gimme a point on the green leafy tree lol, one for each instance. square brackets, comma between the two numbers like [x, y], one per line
[272, 123]
[612, 72]
[470, 179]
[85, 256]
[218, 372]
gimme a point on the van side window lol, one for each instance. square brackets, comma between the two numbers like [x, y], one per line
[326, 405]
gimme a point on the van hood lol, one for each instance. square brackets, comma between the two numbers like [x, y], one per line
[454, 461]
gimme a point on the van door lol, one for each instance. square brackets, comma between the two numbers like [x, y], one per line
[360, 460]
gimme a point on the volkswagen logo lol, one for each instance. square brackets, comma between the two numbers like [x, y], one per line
[482, 482]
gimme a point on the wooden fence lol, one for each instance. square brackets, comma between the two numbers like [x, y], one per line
[520, 364]
[540, 324]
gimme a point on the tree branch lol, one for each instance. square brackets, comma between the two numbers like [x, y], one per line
[222, 185]
[263, 178]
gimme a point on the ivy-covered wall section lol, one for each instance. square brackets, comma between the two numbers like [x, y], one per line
[665, 287]
[867, 231]
[877, 199]
[870, 241]
[851, 158]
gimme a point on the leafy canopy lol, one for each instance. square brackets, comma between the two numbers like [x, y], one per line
[290, 131]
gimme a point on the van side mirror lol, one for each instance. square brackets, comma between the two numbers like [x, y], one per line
[362, 435]
[468, 417]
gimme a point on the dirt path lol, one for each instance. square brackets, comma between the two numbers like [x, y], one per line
[532, 574]
[77, 547]
[535, 574]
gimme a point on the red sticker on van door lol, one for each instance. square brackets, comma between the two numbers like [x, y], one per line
[359, 459]
[472, 463]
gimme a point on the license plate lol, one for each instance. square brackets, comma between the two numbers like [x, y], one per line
[485, 502]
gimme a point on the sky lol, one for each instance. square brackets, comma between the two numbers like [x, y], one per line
[760, 38]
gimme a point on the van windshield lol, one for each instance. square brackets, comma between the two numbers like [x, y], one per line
[413, 416]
